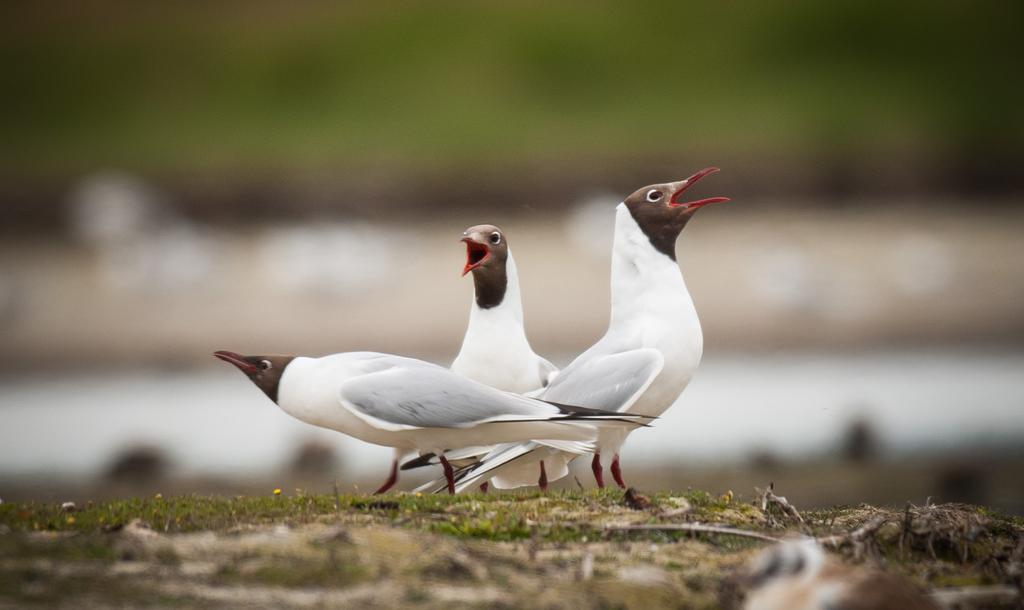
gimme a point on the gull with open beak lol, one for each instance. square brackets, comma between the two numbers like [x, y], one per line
[495, 350]
[653, 344]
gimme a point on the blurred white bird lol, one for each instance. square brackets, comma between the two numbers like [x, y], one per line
[797, 575]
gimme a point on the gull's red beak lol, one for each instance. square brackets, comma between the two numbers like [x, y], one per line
[476, 254]
[683, 185]
[237, 360]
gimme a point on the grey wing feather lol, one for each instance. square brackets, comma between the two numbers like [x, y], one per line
[419, 395]
[612, 382]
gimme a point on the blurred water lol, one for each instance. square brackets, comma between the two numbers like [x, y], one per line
[215, 422]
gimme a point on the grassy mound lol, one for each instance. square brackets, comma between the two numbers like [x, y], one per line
[592, 549]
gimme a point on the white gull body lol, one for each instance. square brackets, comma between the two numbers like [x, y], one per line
[495, 350]
[413, 405]
[650, 352]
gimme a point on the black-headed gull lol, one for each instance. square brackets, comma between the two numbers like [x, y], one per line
[653, 344]
[412, 405]
[495, 350]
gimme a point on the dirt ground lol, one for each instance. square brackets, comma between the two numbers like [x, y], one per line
[567, 549]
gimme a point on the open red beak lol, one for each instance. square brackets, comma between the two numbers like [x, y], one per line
[237, 360]
[683, 185]
[476, 254]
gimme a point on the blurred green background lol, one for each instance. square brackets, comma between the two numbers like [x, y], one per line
[437, 85]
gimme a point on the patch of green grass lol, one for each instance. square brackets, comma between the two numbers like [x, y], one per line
[960, 579]
[74, 547]
[559, 516]
[176, 514]
[1007, 523]
[488, 529]
[564, 516]
[28, 587]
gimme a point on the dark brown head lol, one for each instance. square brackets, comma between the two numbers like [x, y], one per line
[264, 371]
[486, 256]
[661, 214]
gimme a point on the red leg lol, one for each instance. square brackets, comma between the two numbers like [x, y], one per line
[391, 479]
[449, 474]
[616, 472]
[595, 465]
[485, 486]
[543, 481]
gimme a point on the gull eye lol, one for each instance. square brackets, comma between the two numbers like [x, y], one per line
[266, 365]
[495, 238]
[654, 195]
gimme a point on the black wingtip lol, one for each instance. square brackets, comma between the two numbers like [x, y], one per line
[471, 470]
[583, 412]
[418, 462]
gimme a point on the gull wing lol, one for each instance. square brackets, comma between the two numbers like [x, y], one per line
[409, 397]
[396, 393]
[611, 382]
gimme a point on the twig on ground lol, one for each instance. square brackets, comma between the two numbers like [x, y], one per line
[862, 539]
[693, 528]
[926, 526]
[943, 525]
[905, 530]
[768, 498]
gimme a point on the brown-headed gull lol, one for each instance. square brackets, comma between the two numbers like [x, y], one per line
[412, 405]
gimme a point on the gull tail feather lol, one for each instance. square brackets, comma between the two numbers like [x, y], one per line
[483, 470]
[574, 447]
[525, 473]
[455, 455]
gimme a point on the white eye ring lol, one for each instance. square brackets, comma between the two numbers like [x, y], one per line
[653, 195]
[495, 238]
[267, 365]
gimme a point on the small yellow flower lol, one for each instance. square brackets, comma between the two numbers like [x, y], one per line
[277, 491]
[71, 520]
[419, 494]
[727, 497]
[158, 496]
